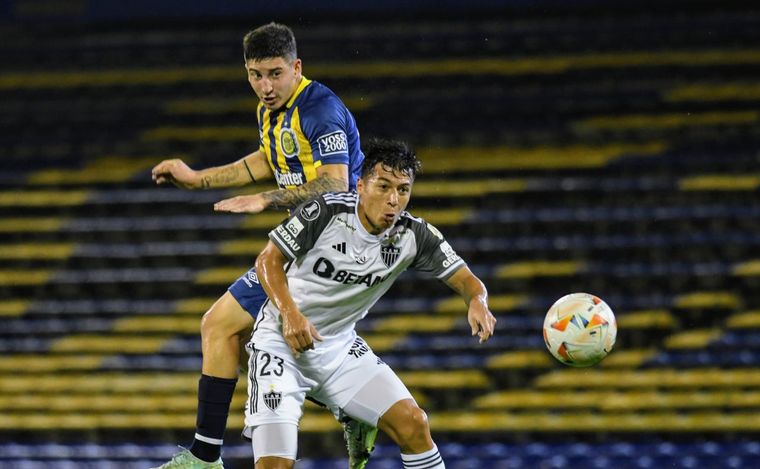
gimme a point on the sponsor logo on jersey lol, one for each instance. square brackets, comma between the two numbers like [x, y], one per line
[288, 179]
[358, 348]
[361, 259]
[332, 143]
[272, 399]
[311, 211]
[289, 142]
[326, 269]
[448, 251]
[250, 278]
[389, 255]
[294, 226]
[343, 222]
[285, 236]
[340, 247]
[435, 231]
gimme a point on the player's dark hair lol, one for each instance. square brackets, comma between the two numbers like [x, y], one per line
[270, 41]
[394, 155]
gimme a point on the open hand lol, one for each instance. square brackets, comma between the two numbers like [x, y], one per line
[175, 171]
[242, 204]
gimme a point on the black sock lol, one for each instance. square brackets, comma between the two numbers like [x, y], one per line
[214, 397]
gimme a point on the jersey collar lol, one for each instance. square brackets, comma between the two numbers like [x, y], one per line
[301, 86]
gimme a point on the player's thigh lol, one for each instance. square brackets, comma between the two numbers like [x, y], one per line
[275, 445]
[377, 396]
[226, 317]
[249, 292]
[363, 386]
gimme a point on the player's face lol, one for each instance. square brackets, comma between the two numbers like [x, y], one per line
[274, 80]
[383, 195]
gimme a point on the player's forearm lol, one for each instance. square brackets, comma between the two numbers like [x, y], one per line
[247, 170]
[282, 199]
[230, 175]
[474, 290]
[270, 269]
[468, 286]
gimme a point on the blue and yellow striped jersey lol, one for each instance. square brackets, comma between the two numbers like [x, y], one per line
[313, 128]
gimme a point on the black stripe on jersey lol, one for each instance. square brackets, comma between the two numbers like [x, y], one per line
[252, 367]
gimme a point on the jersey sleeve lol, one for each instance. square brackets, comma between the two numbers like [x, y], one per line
[435, 256]
[297, 234]
[325, 125]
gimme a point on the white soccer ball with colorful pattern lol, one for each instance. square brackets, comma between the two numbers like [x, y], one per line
[580, 330]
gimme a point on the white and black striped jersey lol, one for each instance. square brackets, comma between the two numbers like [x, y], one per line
[338, 270]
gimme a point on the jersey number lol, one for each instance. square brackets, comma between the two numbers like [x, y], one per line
[268, 361]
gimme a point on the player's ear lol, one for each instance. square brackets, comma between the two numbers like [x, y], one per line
[360, 185]
[297, 67]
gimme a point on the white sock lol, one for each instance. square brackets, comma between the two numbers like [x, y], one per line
[430, 459]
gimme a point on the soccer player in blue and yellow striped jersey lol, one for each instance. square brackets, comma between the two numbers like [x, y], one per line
[308, 143]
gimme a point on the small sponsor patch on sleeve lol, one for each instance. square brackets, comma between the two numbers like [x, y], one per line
[333, 143]
[435, 231]
[294, 226]
[451, 256]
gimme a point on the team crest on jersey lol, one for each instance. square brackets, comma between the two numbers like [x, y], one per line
[389, 255]
[272, 399]
[311, 211]
[289, 142]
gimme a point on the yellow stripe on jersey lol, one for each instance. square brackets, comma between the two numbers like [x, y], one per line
[301, 86]
[305, 155]
[282, 164]
[271, 142]
[264, 125]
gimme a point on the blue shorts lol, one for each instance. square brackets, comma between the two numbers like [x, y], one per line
[248, 291]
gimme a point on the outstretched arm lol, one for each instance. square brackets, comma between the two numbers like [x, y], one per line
[475, 297]
[247, 170]
[298, 332]
[330, 178]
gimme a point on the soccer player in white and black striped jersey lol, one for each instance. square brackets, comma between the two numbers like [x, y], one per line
[323, 269]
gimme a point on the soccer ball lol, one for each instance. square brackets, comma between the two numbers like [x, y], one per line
[580, 329]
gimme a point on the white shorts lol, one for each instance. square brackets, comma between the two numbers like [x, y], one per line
[333, 373]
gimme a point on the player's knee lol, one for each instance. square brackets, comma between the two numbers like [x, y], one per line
[211, 325]
[417, 426]
[410, 427]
